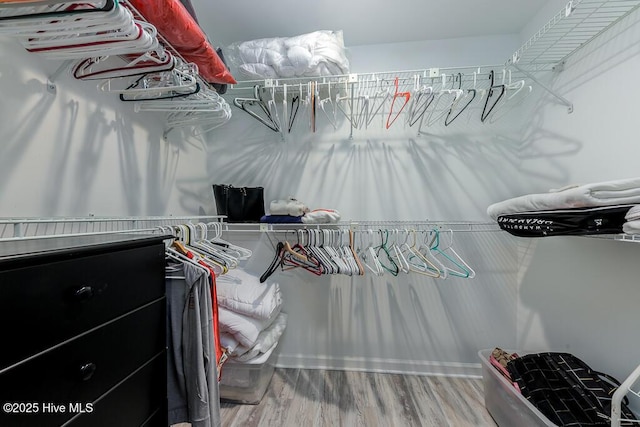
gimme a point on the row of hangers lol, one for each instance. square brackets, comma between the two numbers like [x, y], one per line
[109, 40]
[193, 244]
[377, 252]
[418, 100]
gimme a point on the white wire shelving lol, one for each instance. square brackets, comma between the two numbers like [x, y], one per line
[580, 22]
[38, 228]
[456, 226]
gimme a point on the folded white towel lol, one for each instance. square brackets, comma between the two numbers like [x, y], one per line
[631, 227]
[607, 193]
[290, 206]
[633, 213]
[321, 216]
[266, 340]
[261, 301]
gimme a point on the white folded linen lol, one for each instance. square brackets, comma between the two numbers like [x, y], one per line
[631, 227]
[229, 342]
[266, 340]
[243, 328]
[290, 206]
[616, 192]
[321, 216]
[261, 301]
[633, 213]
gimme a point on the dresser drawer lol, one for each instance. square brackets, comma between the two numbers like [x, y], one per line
[139, 401]
[85, 368]
[47, 303]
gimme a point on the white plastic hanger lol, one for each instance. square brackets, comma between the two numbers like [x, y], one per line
[418, 263]
[368, 254]
[450, 258]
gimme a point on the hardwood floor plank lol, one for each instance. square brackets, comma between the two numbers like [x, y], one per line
[299, 397]
[304, 407]
[425, 401]
[331, 405]
[453, 403]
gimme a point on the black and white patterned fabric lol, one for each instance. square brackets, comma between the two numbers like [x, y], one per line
[566, 222]
[566, 390]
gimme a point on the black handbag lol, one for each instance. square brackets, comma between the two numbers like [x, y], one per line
[239, 204]
[566, 390]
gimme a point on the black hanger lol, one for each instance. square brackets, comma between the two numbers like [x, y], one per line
[447, 122]
[170, 96]
[275, 263]
[295, 100]
[502, 88]
[244, 103]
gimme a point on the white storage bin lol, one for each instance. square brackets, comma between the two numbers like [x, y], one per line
[505, 404]
[247, 382]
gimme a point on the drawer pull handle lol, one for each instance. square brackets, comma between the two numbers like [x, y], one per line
[84, 293]
[87, 370]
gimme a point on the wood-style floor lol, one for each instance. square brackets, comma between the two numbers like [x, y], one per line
[299, 397]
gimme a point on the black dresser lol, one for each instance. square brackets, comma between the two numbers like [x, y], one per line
[83, 332]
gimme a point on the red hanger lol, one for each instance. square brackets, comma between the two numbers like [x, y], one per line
[396, 95]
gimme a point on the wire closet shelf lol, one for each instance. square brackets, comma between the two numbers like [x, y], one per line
[36, 228]
[577, 24]
[456, 226]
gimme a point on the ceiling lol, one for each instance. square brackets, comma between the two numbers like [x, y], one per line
[363, 22]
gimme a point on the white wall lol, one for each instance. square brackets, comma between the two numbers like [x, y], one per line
[408, 323]
[77, 152]
[459, 52]
[579, 294]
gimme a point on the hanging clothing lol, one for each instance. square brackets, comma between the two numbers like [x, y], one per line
[193, 394]
[221, 356]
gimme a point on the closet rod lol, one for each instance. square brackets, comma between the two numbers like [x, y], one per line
[356, 78]
[457, 226]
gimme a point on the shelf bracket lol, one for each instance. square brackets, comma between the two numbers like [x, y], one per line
[562, 100]
[51, 85]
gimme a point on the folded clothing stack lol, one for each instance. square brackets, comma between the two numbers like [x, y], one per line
[597, 208]
[250, 317]
[293, 211]
[632, 224]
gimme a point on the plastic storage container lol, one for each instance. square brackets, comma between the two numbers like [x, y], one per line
[247, 382]
[505, 404]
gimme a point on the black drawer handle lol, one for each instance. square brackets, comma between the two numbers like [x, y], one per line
[87, 370]
[84, 293]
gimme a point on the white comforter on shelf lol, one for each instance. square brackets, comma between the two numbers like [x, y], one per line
[617, 192]
[320, 53]
[248, 296]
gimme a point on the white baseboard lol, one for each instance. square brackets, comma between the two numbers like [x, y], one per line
[391, 366]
